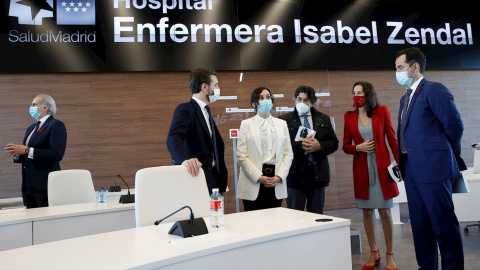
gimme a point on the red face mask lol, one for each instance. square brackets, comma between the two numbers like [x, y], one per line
[359, 101]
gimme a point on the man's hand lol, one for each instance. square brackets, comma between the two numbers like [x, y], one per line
[193, 166]
[15, 149]
[310, 145]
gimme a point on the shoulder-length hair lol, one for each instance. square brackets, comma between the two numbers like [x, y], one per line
[370, 96]
[255, 96]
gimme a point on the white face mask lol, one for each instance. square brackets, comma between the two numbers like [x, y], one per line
[302, 108]
[215, 96]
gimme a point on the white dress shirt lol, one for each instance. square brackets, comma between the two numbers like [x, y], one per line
[302, 119]
[42, 121]
[268, 138]
[205, 113]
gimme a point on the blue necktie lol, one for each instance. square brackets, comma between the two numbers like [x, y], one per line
[34, 134]
[403, 121]
[214, 138]
[307, 125]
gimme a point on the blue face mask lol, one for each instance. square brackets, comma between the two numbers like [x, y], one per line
[34, 112]
[265, 106]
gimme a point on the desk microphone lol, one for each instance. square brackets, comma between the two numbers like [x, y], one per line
[114, 188]
[126, 198]
[186, 228]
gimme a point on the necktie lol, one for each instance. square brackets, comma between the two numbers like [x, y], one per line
[214, 138]
[307, 125]
[403, 149]
[34, 134]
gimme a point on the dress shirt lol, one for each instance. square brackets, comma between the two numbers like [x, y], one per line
[207, 119]
[205, 113]
[413, 87]
[309, 118]
[42, 121]
[268, 138]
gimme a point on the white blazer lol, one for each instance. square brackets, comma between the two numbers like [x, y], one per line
[249, 155]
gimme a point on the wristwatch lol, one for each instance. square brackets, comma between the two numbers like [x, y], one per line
[27, 150]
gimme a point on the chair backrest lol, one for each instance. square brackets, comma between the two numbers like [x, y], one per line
[70, 187]
[160, 191]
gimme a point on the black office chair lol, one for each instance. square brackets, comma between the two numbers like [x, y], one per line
[471, 225]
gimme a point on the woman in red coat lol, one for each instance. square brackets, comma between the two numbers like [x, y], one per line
[364, 137]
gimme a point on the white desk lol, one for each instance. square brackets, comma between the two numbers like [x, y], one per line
[278, 238]
[467, 205]
[15, 231]
[18, 201]
[46, 224]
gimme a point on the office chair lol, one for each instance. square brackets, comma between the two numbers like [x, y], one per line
[70, 187]
[160, 191]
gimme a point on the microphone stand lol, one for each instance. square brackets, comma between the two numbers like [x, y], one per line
[186, 228]
[126, 198]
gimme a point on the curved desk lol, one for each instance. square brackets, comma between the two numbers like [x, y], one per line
[277, 238]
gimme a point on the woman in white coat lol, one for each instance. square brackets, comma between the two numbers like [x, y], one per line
[265, 154]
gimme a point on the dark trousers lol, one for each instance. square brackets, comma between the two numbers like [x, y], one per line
[314, 197]
[434, 223]
[211, 176]
[34, 199]
[266, 199]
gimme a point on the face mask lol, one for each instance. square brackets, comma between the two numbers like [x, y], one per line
[403, 79]
[34, 112]
[302, 108]
[214, 97]
[359, 101]
[265, 106]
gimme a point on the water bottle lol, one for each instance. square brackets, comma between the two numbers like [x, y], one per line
[102, 195]
[217, 214]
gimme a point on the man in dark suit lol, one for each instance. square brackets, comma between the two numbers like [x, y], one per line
[41, 152]
[429, 132]
[193, 139]
[310, 171]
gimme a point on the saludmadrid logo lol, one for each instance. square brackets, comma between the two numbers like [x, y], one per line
[68, 12]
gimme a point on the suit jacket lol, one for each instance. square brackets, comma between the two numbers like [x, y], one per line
[49, 147]
[433, 133]
[328, 142]
[250, 158]
[381, 126]
[189, 137]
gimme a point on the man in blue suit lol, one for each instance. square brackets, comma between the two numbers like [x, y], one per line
[41, 152]
[429, 132]
[193, 139]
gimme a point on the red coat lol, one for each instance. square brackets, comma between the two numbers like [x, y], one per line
[381, 125]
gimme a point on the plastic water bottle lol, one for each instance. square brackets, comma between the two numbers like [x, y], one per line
[217, 214]
[102, 195]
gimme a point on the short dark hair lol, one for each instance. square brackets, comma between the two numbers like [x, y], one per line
[370, 96]
[414, 55]
[200, 76]
[307, 90]
[255, 96]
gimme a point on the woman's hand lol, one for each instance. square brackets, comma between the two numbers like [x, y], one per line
[269, 181]
[367, 147]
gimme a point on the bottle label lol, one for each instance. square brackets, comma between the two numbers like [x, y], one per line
[216, 204]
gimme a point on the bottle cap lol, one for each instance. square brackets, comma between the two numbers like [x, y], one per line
[215, 189]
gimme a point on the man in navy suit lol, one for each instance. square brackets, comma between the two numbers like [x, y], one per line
[41, 152]
[193, 139]
[429, 132]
